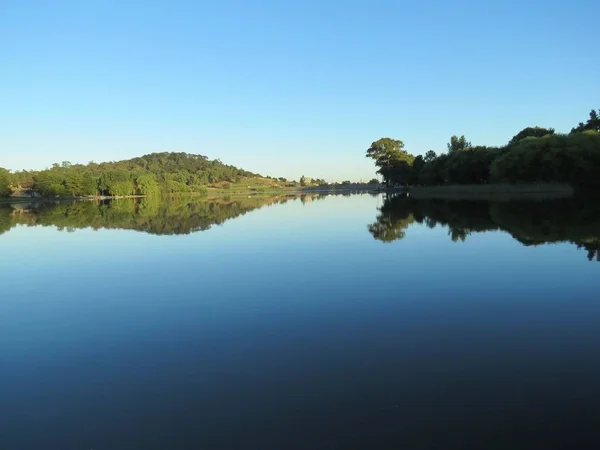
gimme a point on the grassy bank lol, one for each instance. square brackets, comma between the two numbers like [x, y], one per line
[238, 191]
[494, 191]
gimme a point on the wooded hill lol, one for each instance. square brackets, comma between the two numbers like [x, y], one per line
[147, 175]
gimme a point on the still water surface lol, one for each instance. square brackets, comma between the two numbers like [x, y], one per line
[322, 322]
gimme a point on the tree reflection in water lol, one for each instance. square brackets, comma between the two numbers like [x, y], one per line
[154, 215]
[575, 220]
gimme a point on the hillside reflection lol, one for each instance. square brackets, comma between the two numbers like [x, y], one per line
[178, 215]
[575, 220]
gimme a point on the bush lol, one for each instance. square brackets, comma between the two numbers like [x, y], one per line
[573, 159]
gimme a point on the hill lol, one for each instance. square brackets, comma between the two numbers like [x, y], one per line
[151, 174]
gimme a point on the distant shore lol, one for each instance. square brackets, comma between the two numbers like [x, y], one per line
[212, 192]
[451, 192]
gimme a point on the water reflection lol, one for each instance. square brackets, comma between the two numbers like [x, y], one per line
[178, 215]
[575, 220]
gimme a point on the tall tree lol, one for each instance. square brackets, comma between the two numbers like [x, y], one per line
[417, 166]
[393, 162]
[430, 156]
[458, 143]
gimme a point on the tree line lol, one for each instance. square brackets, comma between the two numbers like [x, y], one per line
[534, 155]
[151, 174]
[574, 220]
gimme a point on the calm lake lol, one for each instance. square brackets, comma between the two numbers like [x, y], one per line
[313, 322]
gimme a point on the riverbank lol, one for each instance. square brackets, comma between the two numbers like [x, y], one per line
[212, 192]
[494, 191]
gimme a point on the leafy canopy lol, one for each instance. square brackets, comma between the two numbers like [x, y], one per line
[458, 143]
[593, 123]
[147, 175]
[535, 132]
[393, 162]
[5, 189]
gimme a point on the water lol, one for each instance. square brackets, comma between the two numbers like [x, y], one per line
[322, 322]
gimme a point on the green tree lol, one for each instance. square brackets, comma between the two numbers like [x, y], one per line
[430, 156]
[147, 185]
[22, 179]
[116, 183]
[433, 172]
[593, 123]
[472, 167]
[177, 187]
[417, 166]
[530, 132]
[458, 143]
[5, 183]
[121, 188]
[79, 184]
[393, 162]
[572, 159]
[49, 183]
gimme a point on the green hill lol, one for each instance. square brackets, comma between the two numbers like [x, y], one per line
[151, 174]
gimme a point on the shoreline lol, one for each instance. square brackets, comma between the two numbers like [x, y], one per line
[209, 193]
[450, 192]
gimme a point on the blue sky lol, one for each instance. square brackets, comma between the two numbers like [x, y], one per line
[286, 88]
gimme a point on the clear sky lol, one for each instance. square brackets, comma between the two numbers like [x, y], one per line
[286, 88]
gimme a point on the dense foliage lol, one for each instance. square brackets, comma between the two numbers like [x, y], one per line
[575, 220]
[5, 183]
[530, 132]
[573, 159]
[393, 162]
[458, 143]
[147, 175]
[534, 155]
[592, 124]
